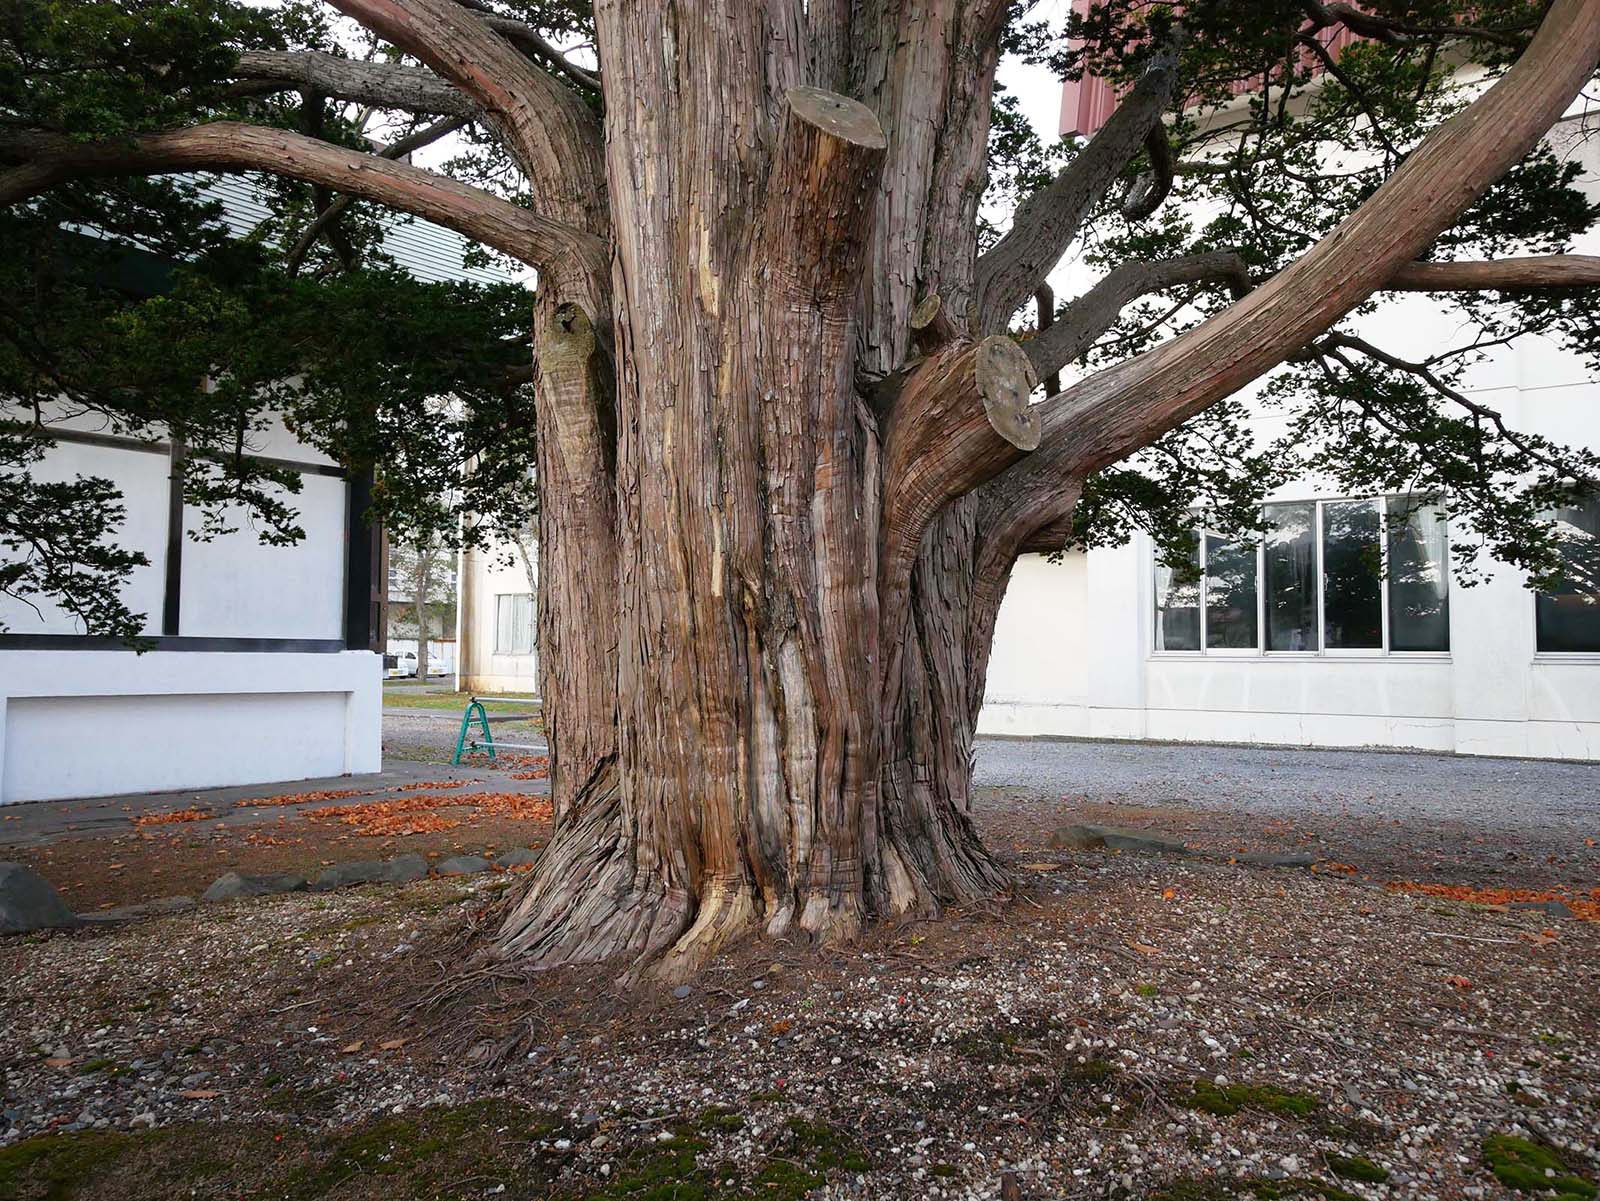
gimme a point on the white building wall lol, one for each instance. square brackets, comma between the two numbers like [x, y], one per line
[96, 723]
[1491, 694]
[82, 719]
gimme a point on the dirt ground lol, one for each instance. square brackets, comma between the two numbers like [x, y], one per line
[1127, 1026]
[127, 850]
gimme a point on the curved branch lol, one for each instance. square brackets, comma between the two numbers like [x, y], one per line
[1045, 223]
[1097, 310]
[1382, 29]
[552, 133]
[1114, 413]
[230, 146]
[386, 85]
[1152, 188]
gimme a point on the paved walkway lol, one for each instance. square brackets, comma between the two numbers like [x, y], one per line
[1520, 795]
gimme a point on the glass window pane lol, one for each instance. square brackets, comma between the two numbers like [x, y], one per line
[1230, 594]
[525, 625]
[503, 627]
[1178, 608]
[1290, 578]
[1352, 576]
[1569, 616]
[1419, 576]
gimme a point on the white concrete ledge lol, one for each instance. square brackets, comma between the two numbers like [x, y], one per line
[96, 723]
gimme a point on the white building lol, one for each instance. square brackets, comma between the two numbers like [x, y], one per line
[497, 622]
[1296, 642]
[264, 665]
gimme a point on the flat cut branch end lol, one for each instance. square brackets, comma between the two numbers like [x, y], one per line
[1005, 380]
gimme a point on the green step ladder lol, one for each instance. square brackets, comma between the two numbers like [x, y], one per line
[485, 744]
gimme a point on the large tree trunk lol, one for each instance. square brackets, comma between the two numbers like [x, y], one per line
[777, 766]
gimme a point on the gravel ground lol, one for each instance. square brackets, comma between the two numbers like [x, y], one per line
[1129, 1027]
[1490, 794]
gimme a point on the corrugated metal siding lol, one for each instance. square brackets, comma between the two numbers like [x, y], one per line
[428, 251]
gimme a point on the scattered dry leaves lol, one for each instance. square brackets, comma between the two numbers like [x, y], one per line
[1585, 907]
[172, 818]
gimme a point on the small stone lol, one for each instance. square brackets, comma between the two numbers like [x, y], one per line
[402, 869]
[1553, 908]
[682, 991]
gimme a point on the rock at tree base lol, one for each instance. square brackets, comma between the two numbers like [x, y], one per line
[462, 865]
[1087, 837]
[233, 886]
[402, 869]
[29, 902]
[516, 857]
[1273, 859]
[127, 913]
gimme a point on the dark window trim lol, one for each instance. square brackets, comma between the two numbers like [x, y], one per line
[124, 442]
[106, 642]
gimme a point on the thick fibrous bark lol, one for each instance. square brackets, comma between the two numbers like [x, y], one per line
[1511, 275]
[783, 473]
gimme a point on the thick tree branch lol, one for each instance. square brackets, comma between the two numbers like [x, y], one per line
[1097, 310]
[229, 146]
[1114, 413]
[1045, 223]
[385, 85]
[534, 42]
[960, 419]
[553, 135]
[1504, 275]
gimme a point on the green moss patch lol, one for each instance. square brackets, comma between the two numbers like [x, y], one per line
[436, 1153]
[1357, 1167]
[1531, 1168]
[1225, 1100]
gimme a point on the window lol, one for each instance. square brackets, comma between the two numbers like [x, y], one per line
[513, 623]
[1231, 608]
[1178, 608]
[1419, 584]
[1290, 576]
[1352, 576]
[1316, 583]
[1568, 617]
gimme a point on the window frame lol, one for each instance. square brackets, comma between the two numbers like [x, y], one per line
[1322, 650]
[1539, 656]
[533, 630]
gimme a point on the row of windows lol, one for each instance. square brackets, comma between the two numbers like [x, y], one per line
[1354, 577]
